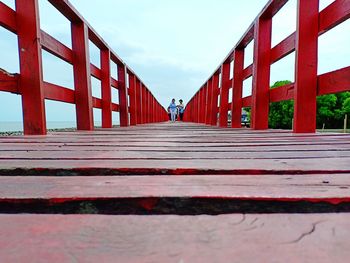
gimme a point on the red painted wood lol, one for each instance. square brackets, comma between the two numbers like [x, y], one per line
[334, 14]
[114, 83]
[139, 101]
[261, 74]
[31, 77]
[271, 8]
[148, 106]
[55, 47]
[204, 103]
[208, 102]
[115, 107]
[65, 7]
[247, 101]
[224, 93]
[133, 100]
[305, 238]
[283, 188]
[247, 37]
[106, 89]
[284, 48]
[247, 72]
[123, 96]
[214, 100]
[95, 71]
[58, 93]
[305, 89]
[285, 92]
[97, 103]
[334, 82]
[82, 81]
[237, 85]
[8, 82]
[8, 18]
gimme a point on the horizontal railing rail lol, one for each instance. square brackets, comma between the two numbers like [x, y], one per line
[137, 105]
[311, 23]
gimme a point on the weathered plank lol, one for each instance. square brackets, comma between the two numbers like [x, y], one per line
[225, 238]
[330, 188]
[177, 149]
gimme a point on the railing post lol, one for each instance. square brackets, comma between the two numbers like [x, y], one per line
[305, 89]
[82, 76]
[224, 92]
[123, 96]
[237, 87]
[106, 89]
[144, 108]
[138, 101]
[214, 100]
[204, 103]
[208, 102]
[153, 112]
[149, 107]
[261, 74]
[132, 95]
[198, 105]
[31, 77]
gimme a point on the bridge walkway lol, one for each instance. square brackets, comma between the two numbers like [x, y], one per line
[175, 192]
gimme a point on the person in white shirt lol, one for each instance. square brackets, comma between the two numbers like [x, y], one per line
[181, 110]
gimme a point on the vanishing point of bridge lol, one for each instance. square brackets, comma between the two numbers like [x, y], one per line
[116, 194]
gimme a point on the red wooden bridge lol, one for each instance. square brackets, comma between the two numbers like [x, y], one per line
[145, 192]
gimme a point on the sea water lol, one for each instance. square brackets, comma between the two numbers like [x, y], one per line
[11, 126]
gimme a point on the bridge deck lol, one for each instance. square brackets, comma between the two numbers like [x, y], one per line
[267, 191]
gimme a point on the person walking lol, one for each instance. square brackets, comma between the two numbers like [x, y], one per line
[173, 110]
[181, 110]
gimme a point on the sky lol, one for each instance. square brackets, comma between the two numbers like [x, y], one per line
[173, 45]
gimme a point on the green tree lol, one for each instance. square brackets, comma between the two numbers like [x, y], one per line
[346, 106]
[281, 113]
[331, 111]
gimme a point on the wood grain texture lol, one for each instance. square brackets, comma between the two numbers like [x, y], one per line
[179, 148]
[225, 238]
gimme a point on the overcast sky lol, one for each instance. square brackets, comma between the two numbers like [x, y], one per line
[173, 45]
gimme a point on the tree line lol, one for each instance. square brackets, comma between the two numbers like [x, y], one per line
[331, 110]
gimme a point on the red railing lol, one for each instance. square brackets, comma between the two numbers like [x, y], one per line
[311, 23]
[24, 22]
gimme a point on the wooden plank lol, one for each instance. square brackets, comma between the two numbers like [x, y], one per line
[31, 74]
[114, 83]
[251, 238]
[55, 47]
[334, 82]
[97, 103]
[171, 167]
[82, 76]
[171, 154]
[316, 188]
[247, 101]
[95, 71]
[8, 18]
[247, 72]
[8, 82]
[285, 92]
[334, 14]
[115, 107]
[58, 93]
[161, 148]
[284, 48]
